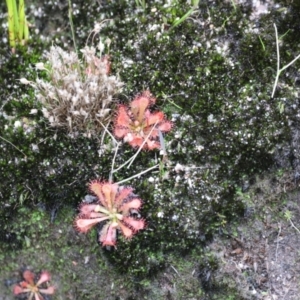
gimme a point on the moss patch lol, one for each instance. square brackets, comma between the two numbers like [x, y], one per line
[213, 76]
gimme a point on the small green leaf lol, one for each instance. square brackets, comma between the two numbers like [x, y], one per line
[27, 241]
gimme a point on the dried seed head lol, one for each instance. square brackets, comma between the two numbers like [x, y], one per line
[78, 95]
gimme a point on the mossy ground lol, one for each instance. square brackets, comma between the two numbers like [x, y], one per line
[213, 75]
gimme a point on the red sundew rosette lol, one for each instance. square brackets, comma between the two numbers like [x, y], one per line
[115, 205]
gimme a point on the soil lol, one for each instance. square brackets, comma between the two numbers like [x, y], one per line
[262, 256]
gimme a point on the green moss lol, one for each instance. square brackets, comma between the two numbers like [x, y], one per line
[226, 130]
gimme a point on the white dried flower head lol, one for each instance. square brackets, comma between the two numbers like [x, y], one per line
[175, 218]
[128, 138]
[151, 179]
[33, 111]
[51, 120]
[108, 42]
[51, 95]
[78, 93]
[45, 112]
[40, 98]
[75, 99]
[83, 112]
[24, 81]
[64, 94]
[97, 27]
[17, 124]
[77, 84]
[40, 66]
[199, 148]
[160, 214]
[103, 113]
[35, 148]
[88, 53]
[69, 121]
[211, 118]
[179, 168]
[93, 86]
[70, 79]
[101, 46]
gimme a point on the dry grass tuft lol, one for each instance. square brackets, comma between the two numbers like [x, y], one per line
[78, 96]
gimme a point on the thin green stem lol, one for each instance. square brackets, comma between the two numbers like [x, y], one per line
[262, 43]
[141, 147]
[294, 226]
[72, 26]
[7, 141]
[22, 20]
[278, 61]
[113, 163]
[233, 4]
[137, 175]
[11, 24]
[106, 130]
[132, 158]
[17, 25]
[278, 72]
[286, 66]
[183, 18]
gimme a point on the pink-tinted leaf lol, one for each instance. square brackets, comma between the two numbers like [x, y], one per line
[123, 118]
[109, 190]
[108, 235]
[37, 297]
[155, 118]
[45, 276]
[106, 61]
[135, 203]
[95, 215]
[135, 224]
[138, 107]
[17, 290]
[29, 277]
[122, 195]
[96, 187]
[137, 141]
[25, 285]
[86, 209]
[165, 126]
[84, 225]
[121, 131]
[48, 291]
[153, 145]
[126, 231]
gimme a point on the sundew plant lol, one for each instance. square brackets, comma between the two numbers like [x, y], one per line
[139, 141]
